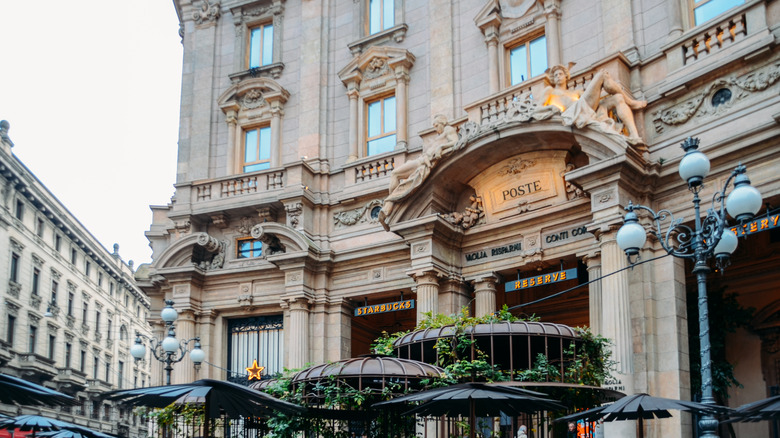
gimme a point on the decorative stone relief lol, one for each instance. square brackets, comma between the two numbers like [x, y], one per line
[712, 101]
[271, 243]
[35, 301]
[573, 191]
[16, 246]
[516, 166]
[253, 99]
[12, 308]
[215, 252]
[4, 138]
[37, 260]
[294, 212]
[245, 301]
[14, 288]
[55, 275]
[361, 215]
[182, 226]
[207, 13]
[220, 220]
[473, 215]
[376, 67]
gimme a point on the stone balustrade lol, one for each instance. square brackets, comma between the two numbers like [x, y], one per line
[374, 169]
[714, 38]
[238, 186]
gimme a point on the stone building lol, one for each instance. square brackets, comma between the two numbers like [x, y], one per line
[70, 308]
[315, 178]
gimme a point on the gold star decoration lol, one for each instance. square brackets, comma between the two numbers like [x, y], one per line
[254, 371]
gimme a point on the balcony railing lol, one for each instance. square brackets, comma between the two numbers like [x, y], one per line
[238, 186]
[374, 169]
[715, 38]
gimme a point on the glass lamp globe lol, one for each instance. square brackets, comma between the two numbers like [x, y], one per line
[631, 236]
[168, 313]
[197, 355]
[727, 243]
[170, 344]
[138, 350]
[694, 166]
[744, 201]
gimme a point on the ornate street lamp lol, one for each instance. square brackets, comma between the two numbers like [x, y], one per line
[710, 237]
[170, 350]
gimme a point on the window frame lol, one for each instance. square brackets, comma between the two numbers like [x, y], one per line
[246, 18]
[382, 11]
[260, 161]
[239, 251]
[526, 42]
[13, 272]
[692, 11]
[261, 27]
[382, 98]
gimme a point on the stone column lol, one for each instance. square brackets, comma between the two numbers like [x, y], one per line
[616, 321]
[353, 95]
[276, 134]
[184, 371]
[454, 295]
[593, 262]
[299, 332]
[205, 328]
[675, 19]
[233, 146]
[552, 10]
[493, 81]
[485, 294]
[427, 293]
[401, 99]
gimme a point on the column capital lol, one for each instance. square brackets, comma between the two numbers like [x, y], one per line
[296, 303]
[485, 277]
[427, 276]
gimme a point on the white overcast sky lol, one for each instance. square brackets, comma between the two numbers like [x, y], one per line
[91, 90]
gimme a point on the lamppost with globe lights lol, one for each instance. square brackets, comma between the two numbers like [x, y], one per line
[710, 237]
[170, 350]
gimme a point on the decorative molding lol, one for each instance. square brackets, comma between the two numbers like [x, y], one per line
[358, 215]
[15, 245]
[37, 260]
[739, 89]
[516, 166]
[220, 220]
[271, 243]
[573, 191]
[215, 249]
[294, 212]
[208, 12]
[473, 215]
[14, 288]
[55, 275]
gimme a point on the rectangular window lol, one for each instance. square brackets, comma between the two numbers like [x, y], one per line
[381, 126]
[97, 320]
[39, 227]
[70, 303]
[57, 242]
[120, 370]
[68, 353]
[108, 372]
[83, 361]
[19, 209]
[259, 338]
[36, 280]
[52, 346]
[111, 289]
[108, 328]
[33, 339]
[706, 10]
[100, 279]
[95, 368]
[54, 287]
[9, 335]
[527, 60]
[381, 15]
[84, 313]
[14, 274]
[73, 256]
[87, 268]
[261, 45]
[257, 149]
[249, 248]
[127, 299]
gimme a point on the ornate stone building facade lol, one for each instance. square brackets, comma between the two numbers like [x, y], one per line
[310, 182]
[70, 309]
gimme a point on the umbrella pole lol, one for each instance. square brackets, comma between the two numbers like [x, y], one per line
[641, 427]
[472, 418]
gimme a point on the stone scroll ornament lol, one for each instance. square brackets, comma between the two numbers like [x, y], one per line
[213, 247]
[271, 243]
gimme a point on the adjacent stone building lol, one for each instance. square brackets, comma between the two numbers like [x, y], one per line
[335, 155]
[70, 309]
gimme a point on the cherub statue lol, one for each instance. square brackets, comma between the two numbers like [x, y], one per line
[405, 178]
[591, 107]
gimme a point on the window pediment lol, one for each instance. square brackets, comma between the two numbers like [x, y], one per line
[257, 95]
[376, 67]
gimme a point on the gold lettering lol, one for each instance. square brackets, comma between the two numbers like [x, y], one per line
[774, 222]
[539, 280]
[753, 227]
[517, 284]
[369, 310]
[547, 278]
[764, 223]
[563, 275]
[734, 229]
[555, 276]
[383, 308]
[532, 282]
[360, 311]
[376, 308]
[395, 306]
[525, 282]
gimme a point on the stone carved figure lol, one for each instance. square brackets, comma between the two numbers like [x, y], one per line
[4, 138]
[470, 217]
[409, 176]
[591, 107]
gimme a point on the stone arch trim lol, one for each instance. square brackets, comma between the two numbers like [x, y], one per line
[178, 254]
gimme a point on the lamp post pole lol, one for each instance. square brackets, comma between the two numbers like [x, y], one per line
[170, 350]
[709, 237]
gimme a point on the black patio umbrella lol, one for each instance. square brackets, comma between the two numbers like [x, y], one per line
[45, 425]
[219, 397]
[766, 409]
[19, 391]
[74, 433]
[474, 400]
[645, 407]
